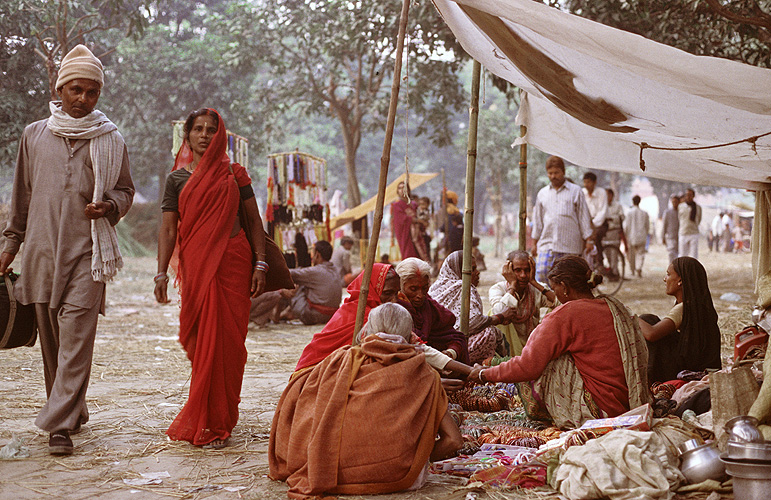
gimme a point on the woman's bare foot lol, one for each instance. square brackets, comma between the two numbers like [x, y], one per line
[217, 444]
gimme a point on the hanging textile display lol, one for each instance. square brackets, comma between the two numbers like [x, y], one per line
[297, 208]
[238, 147]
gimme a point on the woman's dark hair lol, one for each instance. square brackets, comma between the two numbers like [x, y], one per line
[699, 331]
[574, 272]
[195, 114]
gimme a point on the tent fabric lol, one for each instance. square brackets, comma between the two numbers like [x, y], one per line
[593, 94]
[368, 206]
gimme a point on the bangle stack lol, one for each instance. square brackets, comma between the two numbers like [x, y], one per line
[261, 265]
[160, 276]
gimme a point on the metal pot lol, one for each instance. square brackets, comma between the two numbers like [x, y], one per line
[751, 479]
[750, 451]
[689, 445]
[702, 463]
[743, 429]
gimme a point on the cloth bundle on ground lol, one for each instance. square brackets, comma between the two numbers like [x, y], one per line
[621, 465]
[322, 438]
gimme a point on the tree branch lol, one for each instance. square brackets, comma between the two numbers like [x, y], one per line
[762, 20]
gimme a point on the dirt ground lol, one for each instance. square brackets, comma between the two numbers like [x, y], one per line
[140, 380]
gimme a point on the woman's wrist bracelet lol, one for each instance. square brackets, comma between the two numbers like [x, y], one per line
[261, 265]
[160, 276]
[481, 375]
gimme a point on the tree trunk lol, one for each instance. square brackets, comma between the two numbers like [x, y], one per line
[354, 194]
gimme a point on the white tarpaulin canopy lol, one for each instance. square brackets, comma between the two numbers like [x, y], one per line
[595, 94]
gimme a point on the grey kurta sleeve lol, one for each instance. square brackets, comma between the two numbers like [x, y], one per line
[123, 192]
[17, 222]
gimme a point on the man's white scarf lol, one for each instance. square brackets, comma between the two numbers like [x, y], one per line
[106, 150]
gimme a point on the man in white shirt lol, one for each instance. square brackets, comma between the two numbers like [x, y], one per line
[636, 229]
[597, 201]
[716, 231]
[689, 213]
[561, 221]
[728, 230]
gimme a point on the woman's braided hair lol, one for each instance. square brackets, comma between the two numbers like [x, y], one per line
[574, 272]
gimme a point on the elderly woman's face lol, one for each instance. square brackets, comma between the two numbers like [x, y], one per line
[390, 289]
[416, 290]
[201, 134]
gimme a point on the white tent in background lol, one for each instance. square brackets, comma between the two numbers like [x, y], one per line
[607, 99]
[595, 93]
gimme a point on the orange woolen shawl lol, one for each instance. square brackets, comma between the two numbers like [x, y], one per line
[214, 312]
[363, 421]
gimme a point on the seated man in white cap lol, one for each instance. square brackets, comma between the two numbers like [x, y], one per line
[71, 186]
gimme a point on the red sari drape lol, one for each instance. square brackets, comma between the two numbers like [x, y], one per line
[215, 279]
[339, 329]
[401, 221]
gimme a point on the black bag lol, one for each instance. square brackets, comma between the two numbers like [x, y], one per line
[17, 321]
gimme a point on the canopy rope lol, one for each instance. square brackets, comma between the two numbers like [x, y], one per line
[752, 140]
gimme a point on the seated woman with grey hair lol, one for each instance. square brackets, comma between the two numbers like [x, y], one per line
[321, 440]
[393, 322]
[432, 322]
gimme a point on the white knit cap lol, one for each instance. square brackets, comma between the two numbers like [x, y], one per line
[80, 63]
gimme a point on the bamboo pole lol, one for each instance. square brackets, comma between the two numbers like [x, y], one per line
[385, 160]
[522, 191]
[468, 216]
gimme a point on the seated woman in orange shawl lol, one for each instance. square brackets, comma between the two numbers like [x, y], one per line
[321, 440]
[200, 213]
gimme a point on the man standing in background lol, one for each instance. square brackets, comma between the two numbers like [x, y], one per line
[670, 229]
[561, 222]
[72, 184]
[715, 232]
[636, 229]
[689, 214]
[597, 201]
[727, 224]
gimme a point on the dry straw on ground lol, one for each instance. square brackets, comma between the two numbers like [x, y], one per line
[140, 379]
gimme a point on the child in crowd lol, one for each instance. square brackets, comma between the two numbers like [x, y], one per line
[479, 257]
[418, 230]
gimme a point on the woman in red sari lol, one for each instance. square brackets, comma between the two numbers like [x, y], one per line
[402, 214]
[215, 273]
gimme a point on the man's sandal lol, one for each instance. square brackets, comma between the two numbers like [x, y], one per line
[59, 443]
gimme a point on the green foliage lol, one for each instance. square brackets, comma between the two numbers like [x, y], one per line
[732, 29]
[335, 58]
[34, 36]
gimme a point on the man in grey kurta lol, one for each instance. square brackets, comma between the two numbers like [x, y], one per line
[53, 210]
[314, 300]
[671, 228]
